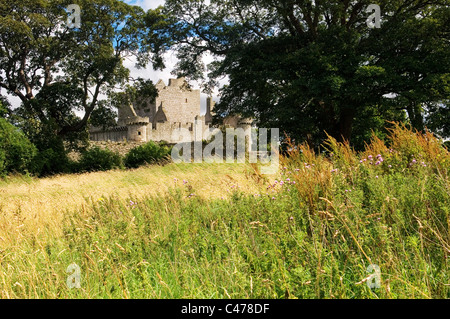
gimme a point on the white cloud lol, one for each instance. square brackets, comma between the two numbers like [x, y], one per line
[146, 4]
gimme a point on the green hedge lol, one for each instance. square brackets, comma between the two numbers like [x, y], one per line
[98, 159]
[146, 154]
[16, 151]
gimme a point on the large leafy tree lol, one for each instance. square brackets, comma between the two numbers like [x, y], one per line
[313, 66]
[56, 70]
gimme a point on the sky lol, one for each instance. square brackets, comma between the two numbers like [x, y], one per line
[170, 59]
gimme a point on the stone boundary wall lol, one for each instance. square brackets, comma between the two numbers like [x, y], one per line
[117, 135]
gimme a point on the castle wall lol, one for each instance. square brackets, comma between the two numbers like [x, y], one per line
[176, 107]
[115, 135]
[180, 104]
[137, 132]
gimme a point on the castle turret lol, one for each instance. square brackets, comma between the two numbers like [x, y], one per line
[209, 110]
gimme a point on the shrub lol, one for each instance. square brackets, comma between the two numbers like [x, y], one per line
[97, 159]
[16, 151]
[51, 161]
[146, 154]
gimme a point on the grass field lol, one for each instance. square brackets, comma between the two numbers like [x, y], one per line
[225, 231]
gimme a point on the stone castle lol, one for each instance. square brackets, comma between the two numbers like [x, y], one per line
[176, 106]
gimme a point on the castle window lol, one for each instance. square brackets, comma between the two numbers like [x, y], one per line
[186, 100]
[139, 133]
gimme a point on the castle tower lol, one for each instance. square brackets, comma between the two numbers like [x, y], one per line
[137, 131]
[209, 110]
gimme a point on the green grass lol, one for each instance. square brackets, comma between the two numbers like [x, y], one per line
[311, 239]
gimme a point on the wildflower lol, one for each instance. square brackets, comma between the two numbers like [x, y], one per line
[291, 218]
[297, 169]
[281, 183]
[364, 160]
[293, 182]
[379, 155]
[389, 166]
[414, 161]
[288, 179]
[360, 161]
[334, 170]
[175, 179]
[276, 182]
[378, 163]
[184, 182]
[376, 176]
[370, 157]
[273, 197]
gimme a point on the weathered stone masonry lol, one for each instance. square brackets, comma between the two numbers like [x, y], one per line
[176, 106]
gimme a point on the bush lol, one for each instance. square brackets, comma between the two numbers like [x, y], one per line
[16, 151]
[97, 159]
[51, 161]
[146, 154]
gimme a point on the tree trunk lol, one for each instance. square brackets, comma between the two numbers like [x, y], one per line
[344, 125]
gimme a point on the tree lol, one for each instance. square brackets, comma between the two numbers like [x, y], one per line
[314, 66]
[56, 70]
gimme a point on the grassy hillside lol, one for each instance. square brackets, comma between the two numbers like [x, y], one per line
[227, 232]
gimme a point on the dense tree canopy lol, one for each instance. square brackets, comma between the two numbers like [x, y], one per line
[313, 66]
[56, 70]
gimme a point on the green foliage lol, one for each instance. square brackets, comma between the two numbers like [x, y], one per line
[51, 161]
[16, 151]
[146, 154]
[309, 67]
[274, 244]
[64, 70]
[98, 159]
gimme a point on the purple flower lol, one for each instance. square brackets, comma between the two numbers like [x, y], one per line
[288, 179]
[297, 169]
[281, 183]
[376, 176]
[414, 161]
[389, 166]
[360, 161]
[377, 163]
[370, 157]
[184, 181]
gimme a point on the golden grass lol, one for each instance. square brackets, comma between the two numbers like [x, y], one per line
[38, 206]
